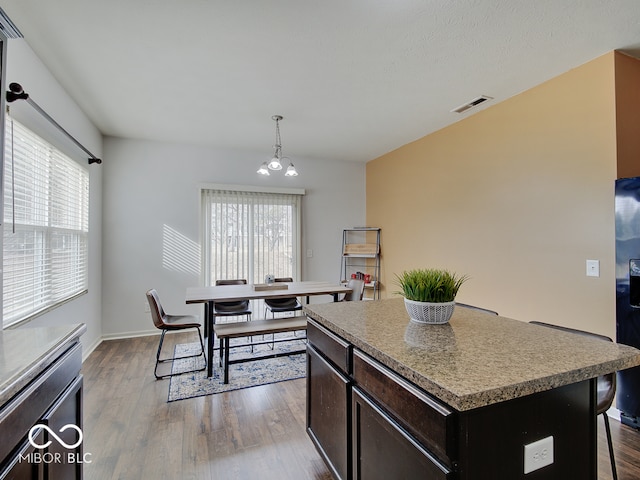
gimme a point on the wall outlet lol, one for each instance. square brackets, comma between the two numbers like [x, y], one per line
[538, 454]
[593, 268]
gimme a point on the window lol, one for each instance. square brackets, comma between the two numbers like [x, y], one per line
[250, 234]
[46, 226]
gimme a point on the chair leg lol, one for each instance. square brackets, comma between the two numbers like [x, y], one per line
[611, 455]
[171, 359]
[155, 370]
[220, 352]
[250, 338]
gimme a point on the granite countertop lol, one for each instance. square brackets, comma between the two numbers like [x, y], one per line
[476, 359]
[26, 352]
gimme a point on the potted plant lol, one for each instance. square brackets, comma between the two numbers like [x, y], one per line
[429, 294]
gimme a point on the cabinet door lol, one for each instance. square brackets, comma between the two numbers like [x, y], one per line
[25, 465]
[328, 410]
[67, 410]
[382, 450]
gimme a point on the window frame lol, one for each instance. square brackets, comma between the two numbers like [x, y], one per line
[206, 232]
[61, 223]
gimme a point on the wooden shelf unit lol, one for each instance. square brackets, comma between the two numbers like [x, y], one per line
[361, 253]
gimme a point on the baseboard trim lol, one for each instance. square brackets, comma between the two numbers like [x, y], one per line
[118, 336]
[86, 351]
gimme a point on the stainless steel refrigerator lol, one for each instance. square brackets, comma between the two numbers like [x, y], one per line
[628, 293]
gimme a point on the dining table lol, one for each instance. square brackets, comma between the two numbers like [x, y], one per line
[209, 295]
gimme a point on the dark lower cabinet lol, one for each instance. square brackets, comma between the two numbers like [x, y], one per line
[66, 411]
[37, 442]
[20, 469]
[328, 413]
[370, 423]
[383, 450]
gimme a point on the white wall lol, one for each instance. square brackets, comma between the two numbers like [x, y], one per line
[151, 220]
[25, 68]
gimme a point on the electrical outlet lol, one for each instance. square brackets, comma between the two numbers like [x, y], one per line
[593, 268]
[538, 454]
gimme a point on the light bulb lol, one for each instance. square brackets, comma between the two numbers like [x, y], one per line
[275, 164]
[264, 169]
[291, 171]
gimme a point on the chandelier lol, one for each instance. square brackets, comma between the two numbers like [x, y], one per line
[276, 162]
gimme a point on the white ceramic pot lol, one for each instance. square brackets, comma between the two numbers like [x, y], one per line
[427, 312]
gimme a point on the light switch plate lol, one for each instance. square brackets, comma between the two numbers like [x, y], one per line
[538, 454]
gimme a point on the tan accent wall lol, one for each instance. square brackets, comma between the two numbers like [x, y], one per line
[628, 114]
[518, 196]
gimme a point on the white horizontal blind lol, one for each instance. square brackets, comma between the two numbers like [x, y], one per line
[250, 234]
[46, 225]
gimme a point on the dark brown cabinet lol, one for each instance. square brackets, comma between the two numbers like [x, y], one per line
[359, 437]
[382, 449]
[41, 425]
[66, 411]
[19, 469]
[328, 405]
[368, 423]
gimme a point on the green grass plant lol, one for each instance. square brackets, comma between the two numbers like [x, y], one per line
[429, 285]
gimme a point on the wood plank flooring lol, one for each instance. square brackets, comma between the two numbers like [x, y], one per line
[133, 433]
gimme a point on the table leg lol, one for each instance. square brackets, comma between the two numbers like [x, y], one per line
[209, 321]
[226, 360]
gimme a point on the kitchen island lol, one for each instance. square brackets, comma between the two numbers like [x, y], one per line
[389, 398]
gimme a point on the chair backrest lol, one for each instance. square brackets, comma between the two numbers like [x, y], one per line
[240, 304]
[357, 290]
[607, 382]
[157, 312]
[282, 302]
[480, 309]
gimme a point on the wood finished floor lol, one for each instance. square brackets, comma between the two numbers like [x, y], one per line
[133, 433]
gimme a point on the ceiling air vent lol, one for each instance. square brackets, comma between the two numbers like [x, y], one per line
[473, 103]
[8, 27]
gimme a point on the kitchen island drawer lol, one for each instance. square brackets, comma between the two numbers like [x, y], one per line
[426, 419]
[331, 346]
[385, 450]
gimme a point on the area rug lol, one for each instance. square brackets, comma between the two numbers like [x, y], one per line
[241, 375]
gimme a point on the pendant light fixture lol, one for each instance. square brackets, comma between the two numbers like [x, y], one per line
[276, 162]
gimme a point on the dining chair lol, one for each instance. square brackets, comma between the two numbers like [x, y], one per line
[166, 322]
[281, 305]
[357, 290]
[606, 390]
[232, 309]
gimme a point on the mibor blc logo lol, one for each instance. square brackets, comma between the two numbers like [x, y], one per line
[55, 457]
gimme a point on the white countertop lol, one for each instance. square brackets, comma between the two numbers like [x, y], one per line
[25, 352]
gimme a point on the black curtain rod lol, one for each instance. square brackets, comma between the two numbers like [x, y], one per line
[16, 92]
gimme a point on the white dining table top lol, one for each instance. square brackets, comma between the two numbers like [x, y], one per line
[226, 293]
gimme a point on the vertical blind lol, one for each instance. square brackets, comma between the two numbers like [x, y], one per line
[46, 225]
[250, 234]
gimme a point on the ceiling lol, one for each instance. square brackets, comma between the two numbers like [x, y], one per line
[354, 79]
